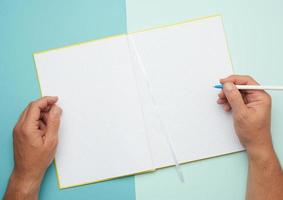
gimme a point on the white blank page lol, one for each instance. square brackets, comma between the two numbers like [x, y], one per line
[102, 132]
[109, 125]
[183, 62]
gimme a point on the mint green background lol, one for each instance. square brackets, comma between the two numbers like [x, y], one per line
[33, 25]
[255, 36]
[254, 30]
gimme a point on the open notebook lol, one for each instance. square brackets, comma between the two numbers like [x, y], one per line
[125, 99]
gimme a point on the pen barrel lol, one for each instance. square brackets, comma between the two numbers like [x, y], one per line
[258, 87]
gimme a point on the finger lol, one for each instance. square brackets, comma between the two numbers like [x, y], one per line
[42, 125]
[23, 116]
[36, 107]
[42, 128]
[221, 95]
[43, 117]
[46, 109]
[244, 96]
[248, 95]
[239, 80]
[227, 107]
[222, 101]
[20, 121]
[53, 123]
[234, 97]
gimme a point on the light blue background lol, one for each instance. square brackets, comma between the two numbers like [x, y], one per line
[33, 25]
[255, 36]
[254, 30]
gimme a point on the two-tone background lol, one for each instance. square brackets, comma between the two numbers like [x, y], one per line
[255, 36]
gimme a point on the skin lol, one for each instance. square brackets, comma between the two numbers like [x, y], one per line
[251, 111]
[36, 137]
[35, 140]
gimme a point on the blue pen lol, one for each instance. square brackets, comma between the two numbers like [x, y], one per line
[218, 86]
[253, 87]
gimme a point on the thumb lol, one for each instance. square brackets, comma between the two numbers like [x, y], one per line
[53, 123]
[233, 96]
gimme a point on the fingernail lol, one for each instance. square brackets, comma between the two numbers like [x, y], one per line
[56, 111]
[228, 86]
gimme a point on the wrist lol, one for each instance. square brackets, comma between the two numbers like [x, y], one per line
[264, 159]
[260, 144]
[261, 150]
[260, 153]
[25, 184]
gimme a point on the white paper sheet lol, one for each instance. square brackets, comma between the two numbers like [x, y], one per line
[102, 133]
[183, 63]
[109, 125]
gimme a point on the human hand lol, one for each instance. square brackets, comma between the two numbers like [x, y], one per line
[251, 111]
[35, 141]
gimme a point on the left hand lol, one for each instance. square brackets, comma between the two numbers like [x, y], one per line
[35, 141]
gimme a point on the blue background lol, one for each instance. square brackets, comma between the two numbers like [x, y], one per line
[34, 25]
[254, 32]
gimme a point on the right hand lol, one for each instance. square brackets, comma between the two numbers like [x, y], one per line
[251, 111]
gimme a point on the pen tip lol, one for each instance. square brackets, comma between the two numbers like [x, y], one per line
[218, 86]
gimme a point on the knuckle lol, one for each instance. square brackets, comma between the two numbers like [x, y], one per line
[251, 79]
[32, 104]
[44, 97]
[232, 76]
[53, 142]
[232, 94]
[24, 129]
[268, 99]
[241, 115]
[54, 120]
[35, 145]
